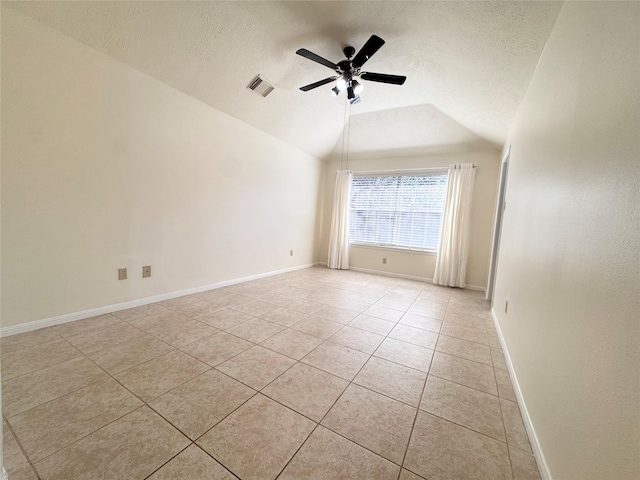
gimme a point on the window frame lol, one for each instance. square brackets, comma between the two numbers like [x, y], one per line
[405, 173]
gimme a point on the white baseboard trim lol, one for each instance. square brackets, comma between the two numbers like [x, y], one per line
[392, 274]
[72, 317]
[408, 277]
[543, 467]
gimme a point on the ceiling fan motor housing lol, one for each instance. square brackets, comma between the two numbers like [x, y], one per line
[349, 52]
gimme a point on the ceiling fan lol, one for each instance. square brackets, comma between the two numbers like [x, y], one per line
[349, 71]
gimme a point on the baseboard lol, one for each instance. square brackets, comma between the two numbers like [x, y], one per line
[391, 274]
[72, 317]
[402, 275]
[545, 474]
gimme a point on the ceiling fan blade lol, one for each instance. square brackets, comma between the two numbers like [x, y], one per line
[311, 86]
[303, 52]
[383, 78]
[372, 46]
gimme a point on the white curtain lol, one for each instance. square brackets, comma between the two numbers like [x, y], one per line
[451, 262]
[339, 236]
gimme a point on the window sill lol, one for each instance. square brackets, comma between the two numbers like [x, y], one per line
[393, 249]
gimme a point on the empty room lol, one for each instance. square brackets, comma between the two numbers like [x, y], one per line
[337, 240]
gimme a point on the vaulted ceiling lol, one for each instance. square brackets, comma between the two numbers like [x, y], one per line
[467, 64]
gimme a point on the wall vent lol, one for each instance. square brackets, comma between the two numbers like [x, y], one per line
[261, 86]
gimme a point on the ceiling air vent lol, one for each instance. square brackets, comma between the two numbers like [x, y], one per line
[261, 86]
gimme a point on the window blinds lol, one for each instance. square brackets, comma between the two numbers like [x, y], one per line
[403, 211]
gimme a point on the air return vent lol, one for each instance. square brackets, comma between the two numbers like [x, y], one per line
[261, 86]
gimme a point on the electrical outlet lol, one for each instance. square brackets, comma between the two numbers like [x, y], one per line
[291, 253]
[122, 274]
[506, 306]
[146, 271]
[384, 261]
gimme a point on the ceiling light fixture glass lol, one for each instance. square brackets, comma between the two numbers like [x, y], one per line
[357, 87]
[341, 84]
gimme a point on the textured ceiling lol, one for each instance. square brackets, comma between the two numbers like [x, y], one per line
[468, 63]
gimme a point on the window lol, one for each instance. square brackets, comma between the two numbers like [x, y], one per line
[398, 211]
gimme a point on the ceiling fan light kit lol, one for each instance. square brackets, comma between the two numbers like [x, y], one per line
[349, 71]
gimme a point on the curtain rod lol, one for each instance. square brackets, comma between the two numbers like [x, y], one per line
[405, 170]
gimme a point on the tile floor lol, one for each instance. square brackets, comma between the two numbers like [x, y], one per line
[314, 374]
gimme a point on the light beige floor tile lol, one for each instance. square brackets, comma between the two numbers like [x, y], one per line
[357, 339]
[513, 425]
[335, 314]
[372, 324]
[436, 300]
[306, 390]
[470, 334]
[498, 359]
[13, 459]
[23, 473]
[231, 300]
[406, 354]
[427, 311]
[317, 326]
[465, 321]
[458, 370]
[98, 339]
[256, 367]
[464, 349]
[255, 308]
[337, 360]
[199, 309]
[141, 311]
[373, 421]
[257, 440]
[45, 429]
[416, 336]
[178, 302]
[225, 318]
[189, 332]
[385, 313]
[505, 388]
[129, 354]
[192, 464]
[159, 321]
[352, 305]
[37, 357]
[22, 393]
[394, 303]
[151, 379]
[523, 464]
[465, 406]
[87, 325]
[199, 404]
[292, 343]
[328, 456]
[283, 316]
[419, 321]
[132, 447]
[441, 450]
[407, 475]
[396, 381]
[217, 348]
[28, 339]
[256, 330]
[494, 341]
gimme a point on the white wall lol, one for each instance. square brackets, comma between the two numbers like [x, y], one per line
[422, 264]
[569, 262]
[104, 167]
